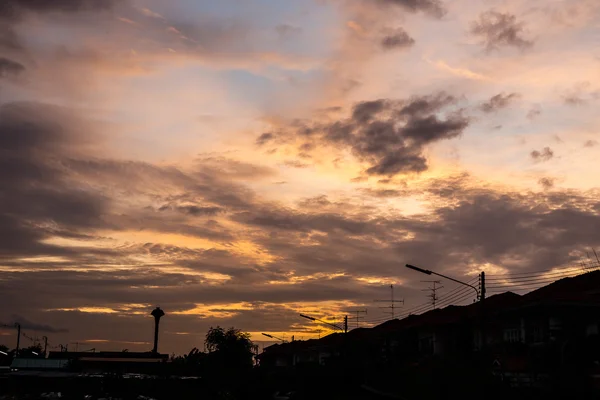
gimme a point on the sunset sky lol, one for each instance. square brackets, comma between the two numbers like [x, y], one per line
[237, 162]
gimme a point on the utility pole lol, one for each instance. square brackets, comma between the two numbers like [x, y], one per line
[45, 345]
[18, 338]
[482, 288]
[434, 290]
[345, 324]
[392, 302]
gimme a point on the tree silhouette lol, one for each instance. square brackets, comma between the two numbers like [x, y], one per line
[229, 349]
[35, 351]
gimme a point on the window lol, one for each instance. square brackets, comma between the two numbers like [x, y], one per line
[537, 334]
[512, 335]
[426, 345]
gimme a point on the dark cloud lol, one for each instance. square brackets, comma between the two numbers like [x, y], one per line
[499, 30]
[574, 100]
[390, 135]
[193, 209]
[534, 113]
[264, 138]
[320, 235]
[434, 8]
[398, 39]
[295, 164]
[286, 30]
[498, 102]
[590, 143]
[36, 190]
[14, 8]
[580, 94]
[547, 183]
[9, 68]
[26, 324]
[9, 42]
[545, 155]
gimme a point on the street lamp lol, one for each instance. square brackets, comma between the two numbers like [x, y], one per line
[323, 322]
[3, 353]
[428, 272]
[35, 353]
[273, 337]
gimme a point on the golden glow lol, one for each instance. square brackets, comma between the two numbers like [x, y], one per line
[379, 280]
[43, 260]
[91, 310]
[216, 310]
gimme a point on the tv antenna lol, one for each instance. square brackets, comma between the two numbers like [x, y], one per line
[392, 302]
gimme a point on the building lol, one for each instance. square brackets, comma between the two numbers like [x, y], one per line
[546, 336]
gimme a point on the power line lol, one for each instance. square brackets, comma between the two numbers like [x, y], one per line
[421, 307]
[459, 290]
[519, 284]
[596, 265]
[561, 273]
[529, 279]
[358, 317]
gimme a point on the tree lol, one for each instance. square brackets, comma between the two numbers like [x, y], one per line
[231, 349]
[32, 352]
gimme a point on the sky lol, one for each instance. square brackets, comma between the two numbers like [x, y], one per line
[239, 162]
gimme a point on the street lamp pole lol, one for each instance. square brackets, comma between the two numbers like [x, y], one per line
[428, 272]
[323, 322]
[274, 337]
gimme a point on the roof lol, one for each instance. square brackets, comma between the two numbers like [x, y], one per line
[450, 314]
[583, 288]
[580, 290]
[38, 363]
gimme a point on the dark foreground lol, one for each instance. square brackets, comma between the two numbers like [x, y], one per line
[259, 385]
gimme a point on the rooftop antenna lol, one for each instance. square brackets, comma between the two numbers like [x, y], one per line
[392, 302]
[434, 289]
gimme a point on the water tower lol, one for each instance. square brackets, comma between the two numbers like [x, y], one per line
[157, 313]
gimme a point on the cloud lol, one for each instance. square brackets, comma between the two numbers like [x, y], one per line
[498, 102]
[590, 143]
[389, 135]
[547, 183]
[499, 30]
[574, 100]
[29, 325]
[434, 8]
[534, 113]
[462, 72]
[9, 68]
[264, 138]
[545, 155]
[295, 164]
[398, 39]
[14, 8]
[286, 30]
[37, 192]
[580, 94]
[193, 210]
